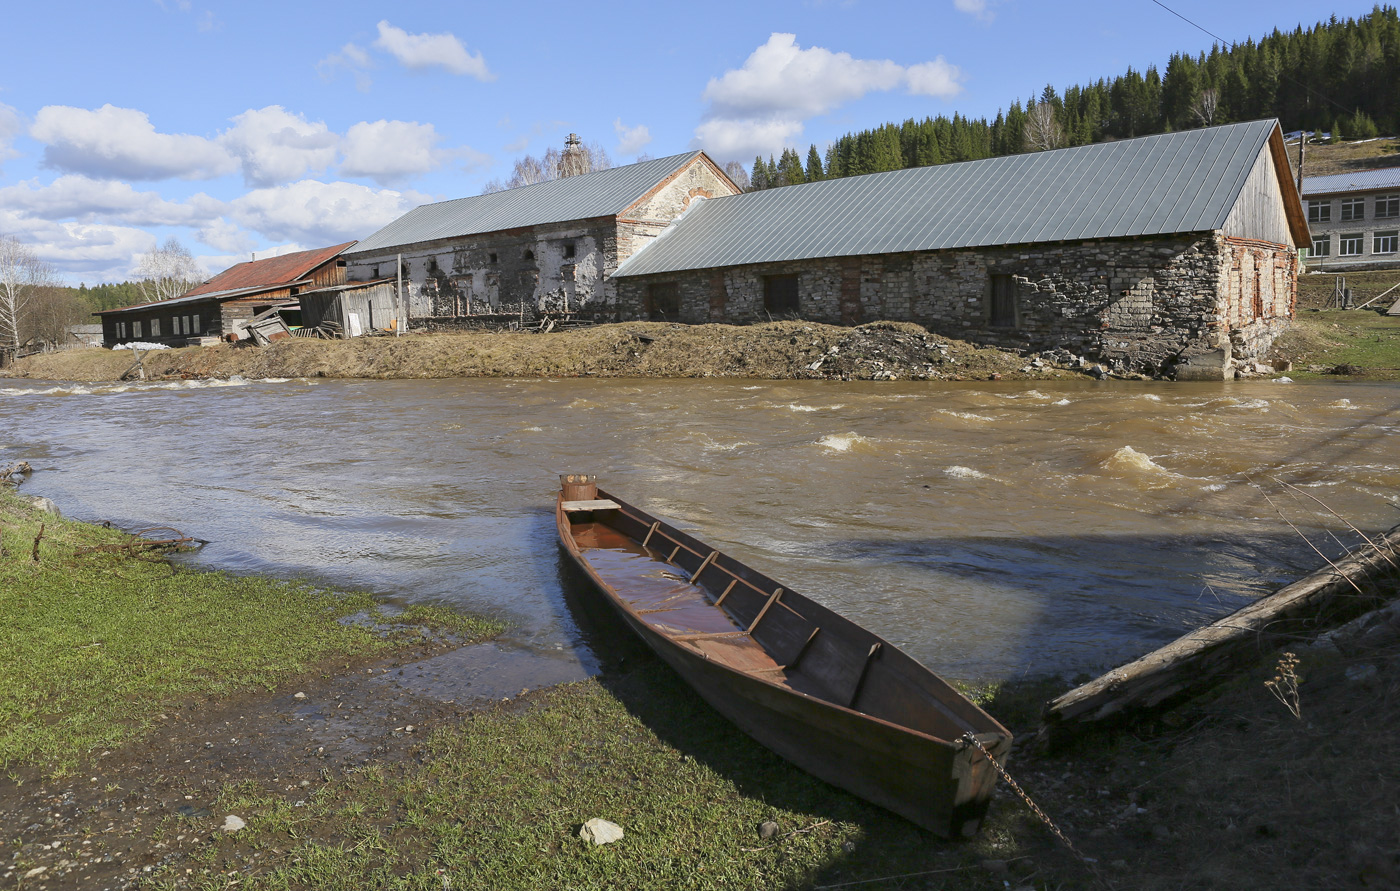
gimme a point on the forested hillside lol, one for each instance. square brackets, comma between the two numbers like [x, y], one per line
[1337, 76]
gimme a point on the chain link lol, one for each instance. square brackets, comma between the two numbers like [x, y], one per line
[1016, 787]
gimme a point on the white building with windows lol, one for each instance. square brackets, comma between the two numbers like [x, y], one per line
[1354, 219]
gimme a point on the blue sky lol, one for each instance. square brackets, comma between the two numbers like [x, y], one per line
[259, 127]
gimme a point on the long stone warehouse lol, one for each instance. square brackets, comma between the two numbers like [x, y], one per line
[1170, 253]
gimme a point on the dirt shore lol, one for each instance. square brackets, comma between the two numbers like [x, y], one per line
[774, 351]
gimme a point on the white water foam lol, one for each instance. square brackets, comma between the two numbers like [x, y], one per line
[112, 389]
[1130, 459]
[957, 471]
[842, 442]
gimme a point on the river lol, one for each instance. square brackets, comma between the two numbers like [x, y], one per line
[992, 530]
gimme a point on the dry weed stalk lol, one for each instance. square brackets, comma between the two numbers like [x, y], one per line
[1284, 685]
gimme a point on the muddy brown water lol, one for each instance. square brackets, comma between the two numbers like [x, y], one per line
[990, 530]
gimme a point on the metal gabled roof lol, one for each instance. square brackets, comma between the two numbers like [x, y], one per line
[269, 272]
[1355, 181]
[1173, 182]
[605, 193]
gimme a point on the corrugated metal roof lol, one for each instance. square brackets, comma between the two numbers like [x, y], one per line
[272, 271]
[206, 297]
[1173, 182]
[1356, 181]
[605, 193]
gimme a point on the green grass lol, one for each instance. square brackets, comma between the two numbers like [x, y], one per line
[496, 802]
[1321, 341]
[94, 646]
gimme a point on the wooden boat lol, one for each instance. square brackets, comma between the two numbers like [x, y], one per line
[822, 692]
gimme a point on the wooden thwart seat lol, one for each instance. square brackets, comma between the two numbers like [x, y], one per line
[711, 635]
[595, 504]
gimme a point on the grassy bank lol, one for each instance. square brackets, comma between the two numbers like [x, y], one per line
[1353, 343]
[95, 641]
[1317, 290]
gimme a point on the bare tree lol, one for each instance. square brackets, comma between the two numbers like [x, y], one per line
[528, 171]
[168, 271]
[25, 281]
[53, 313]
[1206, 106]
[576, 159]
[1042, 131]
[736, 171]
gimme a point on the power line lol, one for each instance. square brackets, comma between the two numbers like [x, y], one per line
[1231, 45]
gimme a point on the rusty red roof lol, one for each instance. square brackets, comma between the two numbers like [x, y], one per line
[268, 273]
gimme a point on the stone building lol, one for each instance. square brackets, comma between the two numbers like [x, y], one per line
[220, 307]
[1169, 253]
[548, 247]
[1355, 220]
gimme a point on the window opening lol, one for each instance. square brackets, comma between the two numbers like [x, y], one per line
[780, 296]
[1349, 245]
[1319, 211]
[1321, 245]
[1002, 312]
[1386, 242]
[1353, 209]
[663, 301]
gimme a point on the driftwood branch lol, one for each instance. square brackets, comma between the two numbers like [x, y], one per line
[144, 541]
[1201, 658]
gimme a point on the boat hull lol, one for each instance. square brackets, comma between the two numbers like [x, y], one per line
[943, 785]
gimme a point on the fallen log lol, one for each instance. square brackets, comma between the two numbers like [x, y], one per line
[1199, 659]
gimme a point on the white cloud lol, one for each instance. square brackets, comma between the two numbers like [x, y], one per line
[353, 58]
[762, 106]
[975, 8]
[936, 78]
[221, 235]
[81, 251]
[780, 78]
[317, 213]
[276, 146]
[85, 200]
[391, 151]
[742, 140]
[121, 143]
[631, 140]
[443, 51]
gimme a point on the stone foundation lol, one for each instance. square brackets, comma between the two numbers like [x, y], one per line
[1139, 304]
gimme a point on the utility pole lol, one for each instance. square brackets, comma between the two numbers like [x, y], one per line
[398, 299]
[1302, 141]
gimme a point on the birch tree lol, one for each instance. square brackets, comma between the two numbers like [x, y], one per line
[168, 271]
[25, 280]
[1206, 107]
[1043, 132]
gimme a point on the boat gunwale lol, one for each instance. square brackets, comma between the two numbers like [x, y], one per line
[637, 514]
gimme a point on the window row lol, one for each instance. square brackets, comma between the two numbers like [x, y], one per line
[1353, 209]
[180, 326]
[1351, 244]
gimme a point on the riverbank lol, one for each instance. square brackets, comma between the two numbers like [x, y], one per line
[1362, 344]
[342, 777]
[772, 351]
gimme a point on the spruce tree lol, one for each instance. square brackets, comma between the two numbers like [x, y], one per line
[758, 179]
[814, 165]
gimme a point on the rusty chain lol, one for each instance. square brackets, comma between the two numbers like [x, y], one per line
[1035, 808]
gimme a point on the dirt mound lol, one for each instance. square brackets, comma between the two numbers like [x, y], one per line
[772, 351]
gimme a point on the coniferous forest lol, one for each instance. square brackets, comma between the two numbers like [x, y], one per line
[1342, 77]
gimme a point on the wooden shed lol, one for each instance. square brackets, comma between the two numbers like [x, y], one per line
[221, 307]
